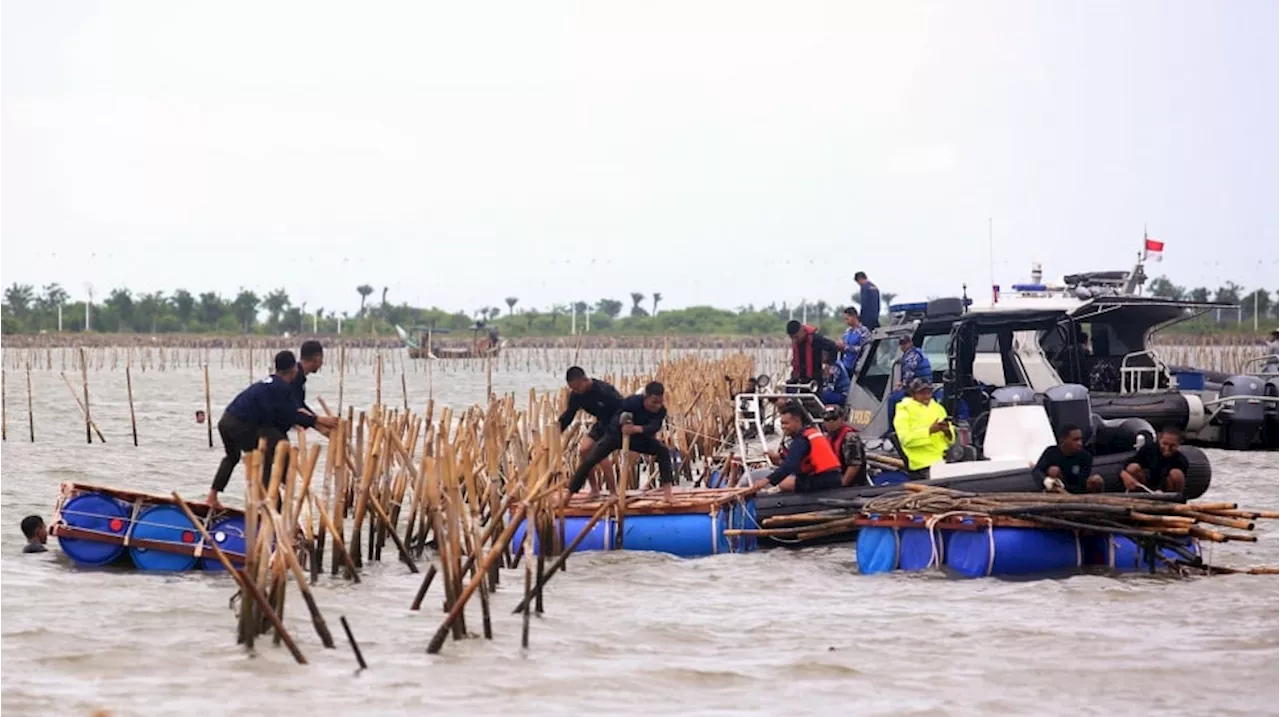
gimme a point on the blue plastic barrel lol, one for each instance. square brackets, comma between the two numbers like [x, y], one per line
[1189, 380]
[600, 537]
[738, 516]
[877, 550]
[916, 548]
[890, 478]
[1018, 551]
[1121, 553]
[99, 513]
[228, 533]
[687, 536]
[166, 523]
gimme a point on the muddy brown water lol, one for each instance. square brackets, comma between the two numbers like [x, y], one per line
[769, 633]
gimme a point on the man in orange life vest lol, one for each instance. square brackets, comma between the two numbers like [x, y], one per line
[809, 351]
[810, 464]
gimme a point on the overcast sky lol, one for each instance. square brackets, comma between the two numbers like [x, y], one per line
[718, 152]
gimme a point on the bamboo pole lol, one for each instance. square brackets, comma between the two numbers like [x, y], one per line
[133, 418]
[89, 428]
[31, 416]
[208, 406]
[4, 405]
[88, 421]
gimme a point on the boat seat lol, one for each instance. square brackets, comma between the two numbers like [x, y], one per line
[1017, 433]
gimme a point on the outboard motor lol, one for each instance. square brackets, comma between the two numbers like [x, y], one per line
[1012, 396]
[1241, 419]
[1069, 404]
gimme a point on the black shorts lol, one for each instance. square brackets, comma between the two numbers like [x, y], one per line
[597, 431]
[821, 481]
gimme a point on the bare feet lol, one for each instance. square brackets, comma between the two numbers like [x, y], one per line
[667, 495]
[212, 500]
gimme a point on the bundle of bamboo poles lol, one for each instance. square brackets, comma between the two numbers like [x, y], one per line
[1159, 519]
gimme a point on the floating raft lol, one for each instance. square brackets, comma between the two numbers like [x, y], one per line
[98, 526]
[692, 525]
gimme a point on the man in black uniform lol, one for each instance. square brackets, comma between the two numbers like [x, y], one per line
[311, 361]
[647, 414]
[1069, 463]
[1158, 466]
[598, 399]
[266, 409]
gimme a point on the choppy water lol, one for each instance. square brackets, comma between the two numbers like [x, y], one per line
[770, 633]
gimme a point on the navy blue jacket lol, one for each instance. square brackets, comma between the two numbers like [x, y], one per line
[269, 402]
[651, 422]
[300, 397]
[869, 303]
[797, 450]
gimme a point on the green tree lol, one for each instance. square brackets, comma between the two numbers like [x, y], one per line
[530, 316]
[609, 307]
[637, 310]
[363, 290]
[1228, 293]
[149, 310]
[245, 309]
[511, 304]
[212, 308]
[184, 305]
[120, 303]
[275, 302]
[1199, 293]
[657, 297]
[19, 298]
[1163, 288]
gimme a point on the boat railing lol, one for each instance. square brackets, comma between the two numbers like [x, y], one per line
[752, 413]
[1270, 365]
[1135, 378]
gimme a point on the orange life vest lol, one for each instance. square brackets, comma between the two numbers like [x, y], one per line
[837, 442]
[821, 458]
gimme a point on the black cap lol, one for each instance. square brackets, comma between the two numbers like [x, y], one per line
[917, 385]
[833, 413]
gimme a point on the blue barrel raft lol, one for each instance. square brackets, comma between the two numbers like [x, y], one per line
[1118, 552]
[163, 524]
[920, 548]
[877, 550]
[1012, 551]
[685, 535]
[228, 533]
[100, 514]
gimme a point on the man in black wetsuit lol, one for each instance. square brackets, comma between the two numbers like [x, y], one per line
[266, 409]
[647, 414]
[311, 360]
[599, 399]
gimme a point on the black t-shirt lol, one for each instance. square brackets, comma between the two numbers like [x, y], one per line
[1076, 468]
[601, 400]
[1157, 466]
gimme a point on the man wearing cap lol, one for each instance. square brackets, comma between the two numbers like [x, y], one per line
[809, 352]
[835, 389]
[913, 364]
[847, 445]
[923, 428]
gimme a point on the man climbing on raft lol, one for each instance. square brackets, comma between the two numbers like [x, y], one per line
[601, 400]
[266, 409]
[640, 418]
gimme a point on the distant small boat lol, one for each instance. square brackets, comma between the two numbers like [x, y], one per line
[420, 344]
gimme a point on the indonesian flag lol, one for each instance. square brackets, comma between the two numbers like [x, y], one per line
[1153, 249]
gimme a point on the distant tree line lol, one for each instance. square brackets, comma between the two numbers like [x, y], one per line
[1259, 301]
[28, 310]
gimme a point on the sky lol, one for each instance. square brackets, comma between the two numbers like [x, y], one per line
[722, 153]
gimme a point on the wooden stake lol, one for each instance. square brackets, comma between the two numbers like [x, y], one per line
[352, 639]
[31, 417]
[4, 406]
[133, 419]
[208, 406]
[88, 422]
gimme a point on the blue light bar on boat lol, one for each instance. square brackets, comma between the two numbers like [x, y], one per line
[1030, 287]
[918, 306]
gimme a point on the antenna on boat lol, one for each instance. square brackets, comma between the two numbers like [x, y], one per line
[991, 259]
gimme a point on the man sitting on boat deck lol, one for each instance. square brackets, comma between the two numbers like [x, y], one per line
[1069, 463]
[809, 352]
[1158, 466]
[311, 360]
[810, 463]
[33, 529]
[647, 414]
[600, 400]
[848, 446]
[266, 409]
[855, 338]
[923, 428]
[913, 365]
[835, 387]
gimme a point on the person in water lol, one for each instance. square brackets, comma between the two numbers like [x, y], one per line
[1069, 463]
[1158, 466]
[647, 414]
[311, 360]
[36, 534]
[266, 409]
[810, 463]
[599, 399]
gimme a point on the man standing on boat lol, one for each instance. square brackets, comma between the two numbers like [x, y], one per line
[266, 409]
[856, 336]
[809, 352]
[811, 463]
[599, 399]
[868, 301]
[640, 417]
[312, 360]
